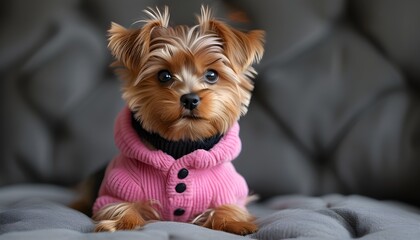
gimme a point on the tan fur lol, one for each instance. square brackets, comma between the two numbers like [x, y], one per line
[187, 53]
[125, 216]
[228, 218]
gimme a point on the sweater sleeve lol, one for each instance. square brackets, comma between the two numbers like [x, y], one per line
[119, 185]
[103, 201]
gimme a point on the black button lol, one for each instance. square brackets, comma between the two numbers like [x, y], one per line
[180, 187]
[183, 173]
[179, 212]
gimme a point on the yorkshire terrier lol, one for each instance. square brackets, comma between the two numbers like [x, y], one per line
[185, 89]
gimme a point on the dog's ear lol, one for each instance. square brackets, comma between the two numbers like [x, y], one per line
[242, 49]
[129, 46]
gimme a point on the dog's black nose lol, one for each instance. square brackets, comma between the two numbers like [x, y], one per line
[190, 100]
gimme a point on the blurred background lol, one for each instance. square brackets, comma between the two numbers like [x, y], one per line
[335, 109]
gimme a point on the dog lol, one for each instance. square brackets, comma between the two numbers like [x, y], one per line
[185, 89]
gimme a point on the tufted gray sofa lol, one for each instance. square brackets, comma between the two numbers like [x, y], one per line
[331, 141]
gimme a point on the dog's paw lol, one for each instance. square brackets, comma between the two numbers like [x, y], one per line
[228, 218]
[120, 224]
[124, 216]
[240, 228]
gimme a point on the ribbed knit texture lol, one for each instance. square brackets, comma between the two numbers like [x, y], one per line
[176, 149]
[139, 173]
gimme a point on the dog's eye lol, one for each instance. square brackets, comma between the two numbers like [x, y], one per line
[211, 76]
[164, 76]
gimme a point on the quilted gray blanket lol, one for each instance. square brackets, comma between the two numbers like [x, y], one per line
[45, 216]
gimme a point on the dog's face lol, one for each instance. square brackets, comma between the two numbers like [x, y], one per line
[186, 83]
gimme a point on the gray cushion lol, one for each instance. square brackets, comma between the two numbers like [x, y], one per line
[329, 217]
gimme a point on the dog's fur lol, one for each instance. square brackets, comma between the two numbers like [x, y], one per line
[211, 60]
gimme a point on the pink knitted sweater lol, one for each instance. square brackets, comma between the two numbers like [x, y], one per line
[184, 187]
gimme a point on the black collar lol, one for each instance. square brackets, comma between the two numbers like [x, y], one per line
[176, 149]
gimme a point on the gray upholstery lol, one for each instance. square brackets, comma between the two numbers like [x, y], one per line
[335, 108]
[333, 111]
[286, 217]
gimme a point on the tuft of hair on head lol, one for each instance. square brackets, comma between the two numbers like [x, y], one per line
[242, 48]
[156, 15]
[128, 46]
